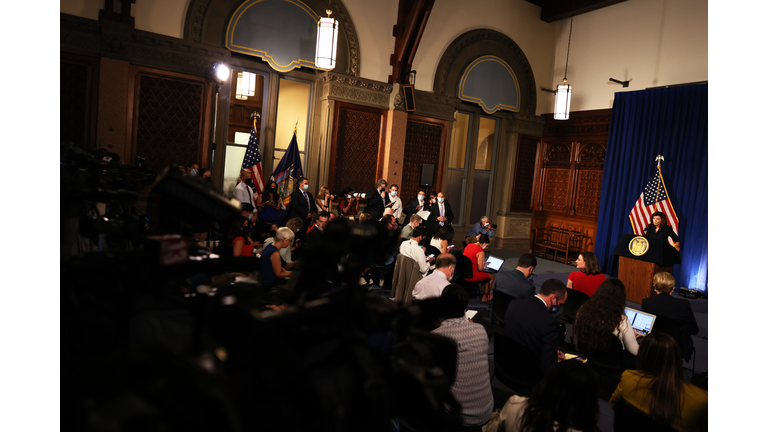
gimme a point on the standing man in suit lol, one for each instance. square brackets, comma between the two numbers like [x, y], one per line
[244, 189]
[315, 235]
[376, 200]
[302, 203]
[676, 309]
[530, 322]
[440, 214]
[415, 205]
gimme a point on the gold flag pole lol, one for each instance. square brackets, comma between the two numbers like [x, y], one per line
[659, 158]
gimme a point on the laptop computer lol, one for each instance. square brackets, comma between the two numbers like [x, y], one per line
[494, 264]
[642, 322]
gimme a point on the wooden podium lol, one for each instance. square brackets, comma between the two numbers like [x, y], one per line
[636, 271]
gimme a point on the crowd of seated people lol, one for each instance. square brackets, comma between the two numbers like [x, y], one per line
[566, 398]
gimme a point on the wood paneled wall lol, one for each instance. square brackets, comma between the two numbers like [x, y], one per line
[570, 173]
[425, 143]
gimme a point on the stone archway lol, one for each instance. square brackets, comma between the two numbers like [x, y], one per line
[475, 43]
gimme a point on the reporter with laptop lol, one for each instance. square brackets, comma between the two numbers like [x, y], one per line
[476, 253]
[678, 310]
[603, 317]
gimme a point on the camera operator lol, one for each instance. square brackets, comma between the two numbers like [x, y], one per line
[482, 227]
[350, 204]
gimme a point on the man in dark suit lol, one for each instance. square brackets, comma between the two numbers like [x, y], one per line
[516, 282]
[414, 205]
[673, 308]
[440, 214]
[315, 234]
[530, 322]
[302, 203]
[376, 200]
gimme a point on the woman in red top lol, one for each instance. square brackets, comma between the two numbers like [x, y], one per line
[476, 253]
[239, 240]
[589, 277]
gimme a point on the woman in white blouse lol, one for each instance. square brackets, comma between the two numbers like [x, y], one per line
[602, 317]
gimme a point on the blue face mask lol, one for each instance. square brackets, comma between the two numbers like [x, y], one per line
[305, 187]
[250, 216]
[393, 193]
[421, 197]
[554, 308]
[193, 172]
[441, 199]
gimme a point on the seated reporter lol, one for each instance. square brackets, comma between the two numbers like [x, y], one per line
[476, 253]
[667, 306]
[272, 271]
[589, 277]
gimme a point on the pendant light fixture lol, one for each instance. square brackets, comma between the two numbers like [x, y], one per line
[327, 39]
[563, 95]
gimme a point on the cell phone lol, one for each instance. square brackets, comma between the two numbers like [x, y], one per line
[450, 246]
[390, 204]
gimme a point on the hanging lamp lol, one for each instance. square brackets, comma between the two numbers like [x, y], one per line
[563, 95]
[327, 40]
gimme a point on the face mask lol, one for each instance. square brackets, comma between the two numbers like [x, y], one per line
[193, 172]
[554, 307]
[441, 199]
[421, 197]
[486, 224]
[250, 216]
[393, 193]
[484, 246]
[349, 196]
[305, 187]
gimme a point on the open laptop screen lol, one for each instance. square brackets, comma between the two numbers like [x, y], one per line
[494, 263]
[642, 322]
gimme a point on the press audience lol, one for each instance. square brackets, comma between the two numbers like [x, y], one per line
[476, 253]
[657, 387]
[433, 285]
[589, 277]
[675, 309]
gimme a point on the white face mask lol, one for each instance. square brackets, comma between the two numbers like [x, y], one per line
[305, 187]
[421, 197]
[193, 172]
[349, 196]
[393, 193]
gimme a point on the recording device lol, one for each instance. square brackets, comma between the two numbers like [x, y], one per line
[493, 226]
[690, 293]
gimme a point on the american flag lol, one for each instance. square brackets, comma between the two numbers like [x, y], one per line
[252, 160]
[654, 198]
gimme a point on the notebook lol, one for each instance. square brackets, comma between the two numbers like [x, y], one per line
[494, 264]
[642, 322]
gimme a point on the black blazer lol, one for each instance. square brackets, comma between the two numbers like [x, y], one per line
[650, 232]
[299, 206]
[515, 284]
[374, 204]
[678, 310]
[314, 237]
[410, 208]
[529, 322]
[434, 212]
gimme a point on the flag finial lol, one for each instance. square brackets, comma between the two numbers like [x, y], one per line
[659, 158]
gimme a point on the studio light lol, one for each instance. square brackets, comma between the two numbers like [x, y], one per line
[221, 72]
[327, 39]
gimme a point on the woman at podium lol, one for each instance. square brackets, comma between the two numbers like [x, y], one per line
[658, 229]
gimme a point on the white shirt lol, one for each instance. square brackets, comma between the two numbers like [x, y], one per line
[412, 250]
[244, 194]
[430, 286]
[397, 207]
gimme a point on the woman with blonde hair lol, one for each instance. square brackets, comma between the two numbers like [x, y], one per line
[657, 387]
[323, 200]
[589, 277]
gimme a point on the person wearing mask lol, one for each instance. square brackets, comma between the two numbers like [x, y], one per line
[272, 272]
[476, 253]
[349, 205]
[482, 227]
[244, 189]
[517, 283]
[395, 201]
[268, 203]
[415, 205]
[413, 250]
[324, 200]
[302, 202]
[376, 200]
[407, 232]
[192, 169]
[440, 214]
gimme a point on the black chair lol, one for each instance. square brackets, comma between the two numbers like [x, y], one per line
[609, 363]
[514, 364]
[628, 418]
[680, 332]
[499, 306]
[571, 307]
[463, 271]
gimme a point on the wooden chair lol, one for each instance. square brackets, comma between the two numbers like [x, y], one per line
[554, 240]
[629, 418]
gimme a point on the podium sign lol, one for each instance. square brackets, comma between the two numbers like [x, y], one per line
[639, 259]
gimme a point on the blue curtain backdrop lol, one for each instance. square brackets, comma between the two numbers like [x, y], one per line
[671, 122]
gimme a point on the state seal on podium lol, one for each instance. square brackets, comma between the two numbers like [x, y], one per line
[638, 246]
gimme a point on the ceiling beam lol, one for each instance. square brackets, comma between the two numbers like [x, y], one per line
[412, 17]
[553, 10]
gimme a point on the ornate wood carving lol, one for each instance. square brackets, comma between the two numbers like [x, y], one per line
[355, 90]
[558, 155]
[588, 193]
[525, 171]
[169, 120]
[356, 150]
[423, 143]
[591, 156]
[555, 190]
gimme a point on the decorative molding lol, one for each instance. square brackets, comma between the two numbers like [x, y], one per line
[122, 42]
[572, 129]
[341, 13]
[434, 105]
[525, 124]
[195, 17]
[591, 157]
[355, 90]
[511, 51]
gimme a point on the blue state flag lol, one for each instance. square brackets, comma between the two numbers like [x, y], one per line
[288, 171]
